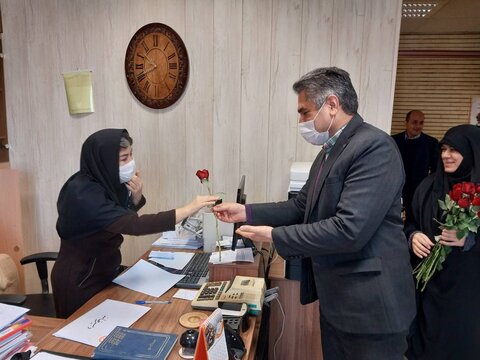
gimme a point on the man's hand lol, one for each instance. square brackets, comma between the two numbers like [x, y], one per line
[135, 185]
[256, 233]
[230, 212]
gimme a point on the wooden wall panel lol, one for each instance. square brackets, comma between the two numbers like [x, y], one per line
[238, 115]
[227, 44]
[284, 71]
[256, 57]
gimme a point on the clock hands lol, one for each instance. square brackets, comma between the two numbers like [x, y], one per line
[149, 60]
[146, 71]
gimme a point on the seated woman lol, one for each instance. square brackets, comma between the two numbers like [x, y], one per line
[447, 324]
[95, 207]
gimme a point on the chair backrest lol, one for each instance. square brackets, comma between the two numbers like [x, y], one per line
[40, 260]
[9, 279]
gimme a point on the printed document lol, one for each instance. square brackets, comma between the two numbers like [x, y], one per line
[93, 326]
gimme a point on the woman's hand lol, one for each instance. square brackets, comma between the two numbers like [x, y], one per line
[135, 185]
[449, 238]
[230, 212]
[195, 205]
[256, 233]
[421, 244]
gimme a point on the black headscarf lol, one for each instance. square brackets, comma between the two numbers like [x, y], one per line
[93, 198]
[466, 140]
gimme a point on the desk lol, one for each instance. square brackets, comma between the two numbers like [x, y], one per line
[301, 335]
[161, 318]
[42, 326]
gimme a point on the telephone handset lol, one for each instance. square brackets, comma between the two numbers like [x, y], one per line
[243, 289]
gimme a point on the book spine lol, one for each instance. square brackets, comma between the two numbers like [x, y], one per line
[12, 329]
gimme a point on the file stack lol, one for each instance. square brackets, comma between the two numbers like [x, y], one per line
[14, 336]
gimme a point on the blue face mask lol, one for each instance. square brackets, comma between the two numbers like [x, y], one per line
[127, 171]
[310, 134]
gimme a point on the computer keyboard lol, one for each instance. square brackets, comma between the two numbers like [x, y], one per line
[196, 272]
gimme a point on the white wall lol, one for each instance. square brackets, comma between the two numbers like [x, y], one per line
[238, 115]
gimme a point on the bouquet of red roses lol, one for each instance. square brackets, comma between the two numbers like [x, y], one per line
[461, 210]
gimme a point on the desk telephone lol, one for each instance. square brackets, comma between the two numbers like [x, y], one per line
[243, 289]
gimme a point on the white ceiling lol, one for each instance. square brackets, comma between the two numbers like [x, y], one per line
[448, 17]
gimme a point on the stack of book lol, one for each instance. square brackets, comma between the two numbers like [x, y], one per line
[14, 336]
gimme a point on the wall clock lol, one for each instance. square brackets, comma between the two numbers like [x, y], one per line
[156, 65]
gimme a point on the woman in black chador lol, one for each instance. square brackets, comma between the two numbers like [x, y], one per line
[95, 207]
[448, 319]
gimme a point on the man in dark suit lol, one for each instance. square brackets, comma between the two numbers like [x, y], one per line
[345, 225]
[420, 154]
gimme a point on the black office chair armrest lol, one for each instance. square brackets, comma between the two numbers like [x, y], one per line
[43, 256]
[12, 299]
[40, 259]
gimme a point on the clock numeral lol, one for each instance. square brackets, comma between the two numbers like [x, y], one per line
[172, 76]
[168, 87]
[157, 91]
[141, 76]
[172, 66]
[165, 48]
[140, 55]
[139, 66]
[146, 87]
[144, 44]
[155, 40]
[171, 56]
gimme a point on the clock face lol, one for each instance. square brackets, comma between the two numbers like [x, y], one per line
[156, 65]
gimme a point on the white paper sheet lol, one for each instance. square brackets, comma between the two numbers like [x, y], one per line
[147, 278]
[48, 356]
[174, 260]
[92, 327]
[10, 313]
[229, 256]
[186, 294]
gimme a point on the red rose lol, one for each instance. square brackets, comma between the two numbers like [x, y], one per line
[476, 201]
[468, 188]
[455, 194]
[457, 187]
[202, 174]
[478, 189]
[463, 203]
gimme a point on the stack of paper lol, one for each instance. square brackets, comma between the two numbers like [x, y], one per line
[13, 334]
[228, 256]
[179, 239]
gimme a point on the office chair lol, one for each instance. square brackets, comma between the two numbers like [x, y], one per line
[39, 304]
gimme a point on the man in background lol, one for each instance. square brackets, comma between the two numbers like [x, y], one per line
[344, 225]
[419, 154]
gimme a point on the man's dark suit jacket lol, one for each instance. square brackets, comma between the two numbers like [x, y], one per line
[349, 232]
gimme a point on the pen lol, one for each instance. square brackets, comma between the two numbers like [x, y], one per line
[142, 302]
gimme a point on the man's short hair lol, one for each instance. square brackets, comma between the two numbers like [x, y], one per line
[410, 113]
[320, 83]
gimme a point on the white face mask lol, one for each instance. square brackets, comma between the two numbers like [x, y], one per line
[127, 171]
[310, 134]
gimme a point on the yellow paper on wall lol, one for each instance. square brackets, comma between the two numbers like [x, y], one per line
[78, 86]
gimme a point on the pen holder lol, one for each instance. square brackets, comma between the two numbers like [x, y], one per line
[188, 341]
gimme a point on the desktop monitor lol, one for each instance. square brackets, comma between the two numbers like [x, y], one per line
[241, 199]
